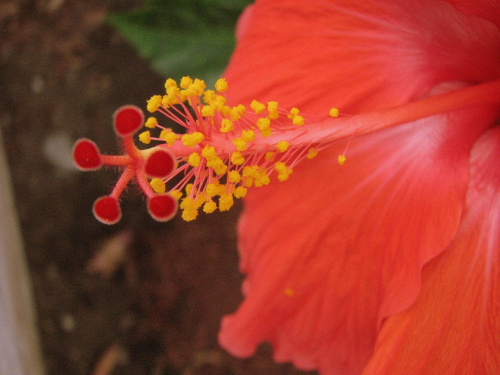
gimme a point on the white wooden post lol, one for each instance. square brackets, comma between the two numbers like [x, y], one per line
[20, 352]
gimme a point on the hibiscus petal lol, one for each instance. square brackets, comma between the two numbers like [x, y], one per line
[453, 327]
[357, 55]
[329, 256]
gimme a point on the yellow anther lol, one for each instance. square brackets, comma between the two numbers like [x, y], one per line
[176, 194]
[154, 103]
[234, 177]
[240, 108]
[248, 135]
[189, 214]
[298, 120]
[272, 109]
[221, 85]
[269, 155]
[158, 185]
[151, 123]
[226, 201]
[272, 106]
[185, 82]
[240, 144]
[192, 139]
[209, 207]
[209, 152]
[209, 96]
[293, 112]
[237, 158]
[170, 83]
[188, 189]
[266, 132]
[235, 114]
[188, 204]
[240, 192]
[145, 137]
[263, 123]
[225, 110]
[200, 199]
[334, 112]
[257, 106]
[218, 166]
[219, 102]
[261, 178]
[311, 154]
[283, 171]
[226, 126]
[213, 189]
[282, 146]
[341, 159]
[169, 136]
[248, 182]
[250, 171]
[208, 111]
[197, 87]
[194, 159]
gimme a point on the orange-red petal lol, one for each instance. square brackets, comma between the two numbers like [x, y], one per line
[454, 326]
[330, 255]
[357, 55]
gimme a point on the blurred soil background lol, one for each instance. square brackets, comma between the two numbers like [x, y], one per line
[136, 298]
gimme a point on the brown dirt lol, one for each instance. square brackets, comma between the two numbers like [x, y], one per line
[63, 73]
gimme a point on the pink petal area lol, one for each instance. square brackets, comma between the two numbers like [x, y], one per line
[453, 328]
[357, 55]
[329, 256]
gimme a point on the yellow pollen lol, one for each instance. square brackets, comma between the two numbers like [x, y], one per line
[208, 111]
[334, 112]
[234, 177]
[240, 144]
[185, 82]
[311, 154]
[240, 192]
[158, 185]
[221, 85]
[269, 155]
[189, 214]
[293, 112]
[154, 103]
[194, 159]
[272, 109]
[169, 136]
[170, 83]
[192, 139]
[151, 123]
[298, 120]
[237, 158]
[213, 189]
[209, 152]
[176, 194]
[248, 135]
[341, 159]
[226, 201]
[209, 96]
[266, 132]
[263, 123]
[257, 106]
[226, 126]
[282, 146]
[209, 207]
[145, 137]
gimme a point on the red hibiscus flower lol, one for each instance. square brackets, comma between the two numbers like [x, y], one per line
[388, 264]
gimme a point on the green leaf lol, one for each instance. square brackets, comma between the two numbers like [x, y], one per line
[183, 37]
